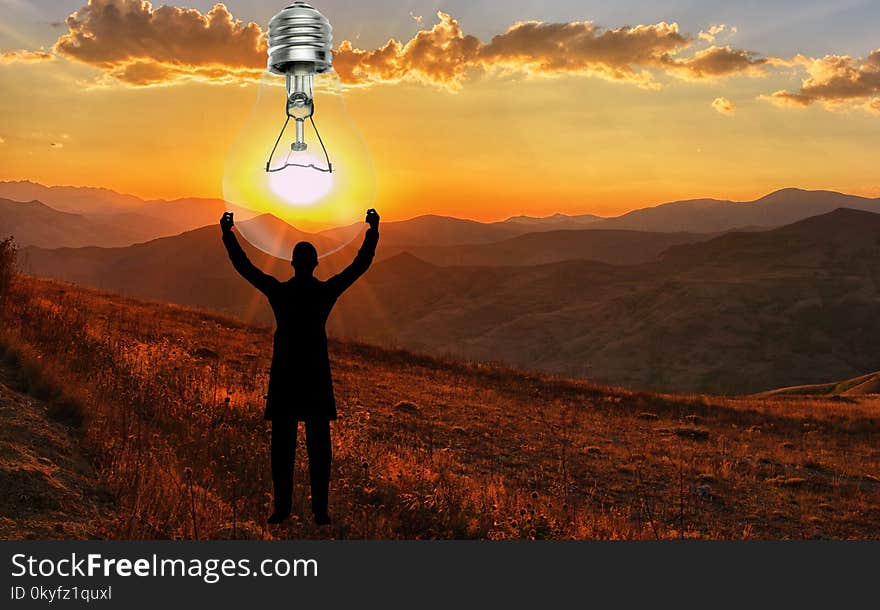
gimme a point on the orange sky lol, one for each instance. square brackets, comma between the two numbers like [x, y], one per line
[504, 143]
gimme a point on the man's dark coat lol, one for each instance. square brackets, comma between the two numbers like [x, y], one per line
[300, 384]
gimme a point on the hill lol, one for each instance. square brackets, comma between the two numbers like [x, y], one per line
[741, 313]
[184, 214]
[35, 224]
[433, 230]
[609, 246]
[73, 199]
[714, 216]
[191, 269]
[271, 234]
[432, 448]
[706, 216]
[115, 219]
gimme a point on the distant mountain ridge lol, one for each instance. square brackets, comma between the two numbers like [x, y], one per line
[99, 216]
[73, 199]
[34, 223]
[556, 221]
[779, 208]
[127, 214]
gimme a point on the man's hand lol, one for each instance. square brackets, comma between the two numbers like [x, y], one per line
[227, 222]
[372, 218]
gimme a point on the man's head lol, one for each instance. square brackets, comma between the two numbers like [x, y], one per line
[304, 259]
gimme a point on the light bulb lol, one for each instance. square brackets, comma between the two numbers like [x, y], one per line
[310, 179]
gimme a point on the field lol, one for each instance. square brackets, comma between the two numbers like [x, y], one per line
[167, 402]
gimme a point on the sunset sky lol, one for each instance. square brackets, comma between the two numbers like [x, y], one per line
[477, 109]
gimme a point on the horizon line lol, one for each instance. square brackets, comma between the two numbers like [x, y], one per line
[429, 214]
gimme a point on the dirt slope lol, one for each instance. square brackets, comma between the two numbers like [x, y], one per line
[48, 489]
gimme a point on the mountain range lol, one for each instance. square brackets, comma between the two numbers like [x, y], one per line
[106, 218]
[35, 223]
[738, 312]
[88, 216]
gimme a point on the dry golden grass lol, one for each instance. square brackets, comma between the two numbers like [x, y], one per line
[426, 448]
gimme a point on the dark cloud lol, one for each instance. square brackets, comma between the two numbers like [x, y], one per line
[717, 62]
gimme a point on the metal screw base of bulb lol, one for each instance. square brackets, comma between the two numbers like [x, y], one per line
[301, 35]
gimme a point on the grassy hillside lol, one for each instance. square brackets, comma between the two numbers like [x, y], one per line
[858, 386]
[427, 448]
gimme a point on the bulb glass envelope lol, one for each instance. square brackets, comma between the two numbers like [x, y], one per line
[302, 197]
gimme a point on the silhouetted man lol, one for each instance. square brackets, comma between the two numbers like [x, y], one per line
[300, 385]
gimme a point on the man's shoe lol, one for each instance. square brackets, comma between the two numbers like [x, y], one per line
[278, 517]
[322, 519]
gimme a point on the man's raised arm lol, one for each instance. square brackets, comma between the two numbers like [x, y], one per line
[261, 281]
[340, 282]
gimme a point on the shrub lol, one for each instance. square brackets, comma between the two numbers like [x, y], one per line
[8, 251]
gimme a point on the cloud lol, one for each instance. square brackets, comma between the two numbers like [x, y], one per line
[718, 62]
[724, 106]
[442, 55]
[56, 145]
[621, 54]
[132, 42]
[713, 31]
[139, 45]
[445, 55]
[24, 56]
[787, 99]
[835, 81]
[2, 140]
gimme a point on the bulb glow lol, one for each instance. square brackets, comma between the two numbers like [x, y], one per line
[301, 186]
[305, 198]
